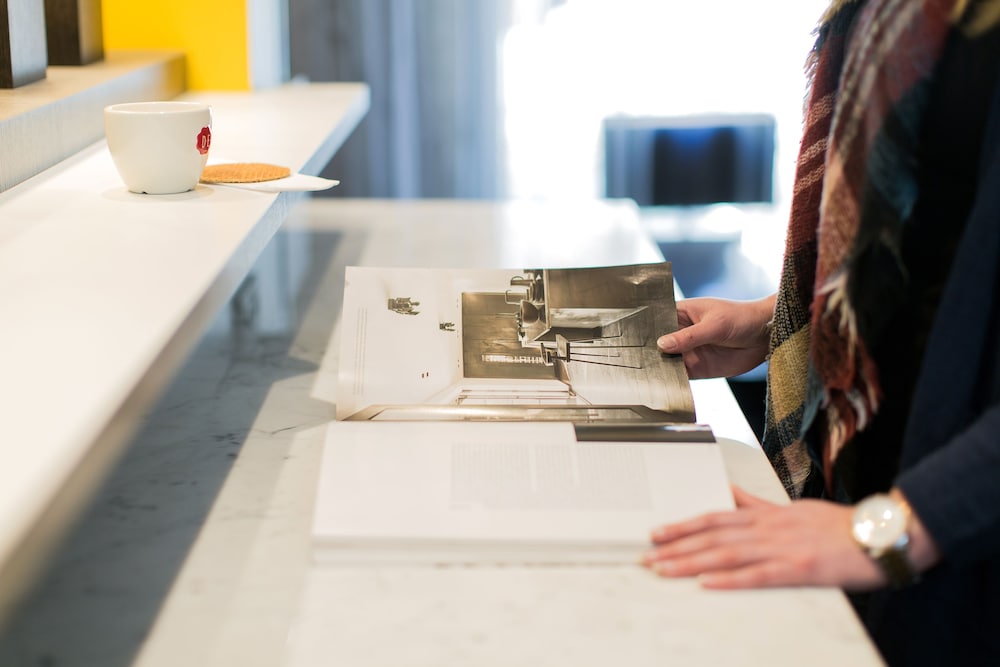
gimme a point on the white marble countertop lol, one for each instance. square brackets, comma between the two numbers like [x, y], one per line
[197, 549]
[104, 292]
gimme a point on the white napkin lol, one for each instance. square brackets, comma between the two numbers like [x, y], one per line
[294, 183]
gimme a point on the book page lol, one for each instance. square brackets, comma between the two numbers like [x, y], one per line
[521, 344]
[527, 476]
[503, 492]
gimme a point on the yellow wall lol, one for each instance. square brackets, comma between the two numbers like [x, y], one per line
[212, 33]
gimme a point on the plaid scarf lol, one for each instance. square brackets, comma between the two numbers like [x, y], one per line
[855, 187]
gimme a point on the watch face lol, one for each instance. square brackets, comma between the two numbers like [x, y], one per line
[879, 522]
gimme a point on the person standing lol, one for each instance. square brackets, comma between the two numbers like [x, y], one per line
[883, 342]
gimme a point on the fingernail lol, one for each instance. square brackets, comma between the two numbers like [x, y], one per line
[667, 343]
[708, 580]
[665, 567]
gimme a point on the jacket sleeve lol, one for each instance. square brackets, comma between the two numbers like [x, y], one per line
[951, 449]
[956, 491]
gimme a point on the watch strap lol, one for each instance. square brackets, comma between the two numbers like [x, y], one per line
[896, 565]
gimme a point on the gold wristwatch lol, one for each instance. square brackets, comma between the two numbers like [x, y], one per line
[881, 525]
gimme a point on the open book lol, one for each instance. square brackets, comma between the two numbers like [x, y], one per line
[573, 345]
[510, 416]
[502, 493]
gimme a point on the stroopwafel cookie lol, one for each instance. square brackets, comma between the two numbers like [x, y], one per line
[243, 172]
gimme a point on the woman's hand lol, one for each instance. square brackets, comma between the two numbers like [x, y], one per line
[760, 544]
[719, 337]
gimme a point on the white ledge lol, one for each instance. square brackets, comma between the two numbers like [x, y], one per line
[104, 293]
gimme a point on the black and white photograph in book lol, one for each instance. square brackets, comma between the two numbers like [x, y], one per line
[573, 344]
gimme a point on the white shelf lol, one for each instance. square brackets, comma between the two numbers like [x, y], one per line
[104, 292]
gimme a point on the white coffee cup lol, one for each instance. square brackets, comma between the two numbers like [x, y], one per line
[159, 147]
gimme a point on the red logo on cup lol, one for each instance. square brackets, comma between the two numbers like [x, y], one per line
[204, 140]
